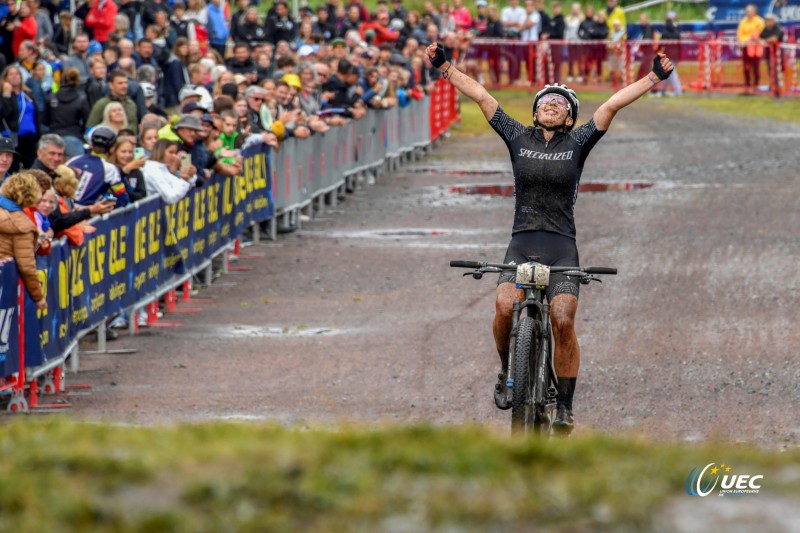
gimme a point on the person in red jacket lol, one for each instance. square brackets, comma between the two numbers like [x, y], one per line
[380, 26]
[25, 29]
[101, 19]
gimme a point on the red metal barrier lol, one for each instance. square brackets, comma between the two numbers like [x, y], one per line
[444, 110]
[707, 61]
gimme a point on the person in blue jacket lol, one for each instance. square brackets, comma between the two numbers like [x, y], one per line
[218, 32]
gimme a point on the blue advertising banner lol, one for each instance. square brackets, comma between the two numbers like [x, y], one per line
[9, 319]
[134, 253]
[730, 12]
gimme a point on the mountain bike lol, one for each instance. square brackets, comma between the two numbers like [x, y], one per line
[532, 380]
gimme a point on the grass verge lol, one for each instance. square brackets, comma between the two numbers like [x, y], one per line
[60, 475]
[517, 103]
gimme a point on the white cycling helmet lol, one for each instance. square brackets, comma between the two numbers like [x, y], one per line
[566, 92]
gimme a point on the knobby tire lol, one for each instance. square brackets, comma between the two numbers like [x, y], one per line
[525, 355]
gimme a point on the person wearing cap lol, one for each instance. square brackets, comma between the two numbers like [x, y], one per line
[185, 131]
[118, 92]
[98, 177]
[280, 26]
[383, 32]
[7, 153]
[66, 113]
[548, 158]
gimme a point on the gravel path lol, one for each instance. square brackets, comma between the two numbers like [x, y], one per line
[357, 317]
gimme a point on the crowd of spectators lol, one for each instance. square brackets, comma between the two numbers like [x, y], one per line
[112, 101]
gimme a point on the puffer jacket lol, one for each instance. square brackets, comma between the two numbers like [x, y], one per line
[17, 241]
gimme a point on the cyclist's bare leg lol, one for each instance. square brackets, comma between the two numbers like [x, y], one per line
[568, 353]
[507, 294]
[567, 357]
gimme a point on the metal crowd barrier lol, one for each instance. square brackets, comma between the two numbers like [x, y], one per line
[300, 175]
[705, 62]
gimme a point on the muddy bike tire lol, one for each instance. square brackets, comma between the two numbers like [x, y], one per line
[541, 379]
[523, 415]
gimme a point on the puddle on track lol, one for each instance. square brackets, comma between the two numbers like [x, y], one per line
[507, 190]
[238, 331]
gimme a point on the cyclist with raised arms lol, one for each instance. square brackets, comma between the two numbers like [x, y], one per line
[547, 159]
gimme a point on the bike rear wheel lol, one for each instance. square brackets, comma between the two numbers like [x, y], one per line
[527, 346]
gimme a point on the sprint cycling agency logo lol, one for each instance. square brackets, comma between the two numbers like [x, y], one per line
[704, 479]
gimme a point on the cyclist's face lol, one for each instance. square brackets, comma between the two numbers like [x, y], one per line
[553, 110]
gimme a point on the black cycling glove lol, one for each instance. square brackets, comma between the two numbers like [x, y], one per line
[438, 58]
[658, 70]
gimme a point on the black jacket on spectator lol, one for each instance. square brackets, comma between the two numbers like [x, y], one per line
[6, 36]
[494, 30]
[557, 28]
[67, 111]
[240, 68]
[95, 90]
[130, 10]
[9, 113]
[176, 75]
[237, 20]
[149, 9]
[280, 29]
[135, 184]
[348, 25]
[251, 33]
[60, 221]
[590, 30]
[343, 97]
[61, 39]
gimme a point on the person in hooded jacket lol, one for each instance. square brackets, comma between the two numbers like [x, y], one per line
[66, 113]
[18, 235]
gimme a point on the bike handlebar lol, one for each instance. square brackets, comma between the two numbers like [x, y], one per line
[502, 266]
[465, 264]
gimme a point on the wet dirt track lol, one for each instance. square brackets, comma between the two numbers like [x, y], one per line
[357, 317]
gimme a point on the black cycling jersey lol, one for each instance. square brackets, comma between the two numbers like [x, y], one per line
[546, 174]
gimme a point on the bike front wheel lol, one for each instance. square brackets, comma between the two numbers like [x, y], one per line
[523, 413]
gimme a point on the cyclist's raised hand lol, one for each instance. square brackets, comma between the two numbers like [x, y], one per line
[662, 66]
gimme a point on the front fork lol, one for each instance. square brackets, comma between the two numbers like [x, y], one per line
[530, 302]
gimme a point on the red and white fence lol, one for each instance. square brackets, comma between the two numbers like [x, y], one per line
[705, 62]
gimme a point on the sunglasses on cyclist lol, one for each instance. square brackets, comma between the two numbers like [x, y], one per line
[553, 99]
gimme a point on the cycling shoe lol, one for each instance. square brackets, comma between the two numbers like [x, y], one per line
[564, 422]
[502, 398]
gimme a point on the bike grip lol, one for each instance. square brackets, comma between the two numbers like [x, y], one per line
[601, 270]
[465, 264]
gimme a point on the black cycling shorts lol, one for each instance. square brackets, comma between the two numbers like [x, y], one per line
[552, 249]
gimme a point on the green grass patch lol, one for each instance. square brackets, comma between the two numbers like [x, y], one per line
[786, 110]
[59, 475]
[517, 103]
